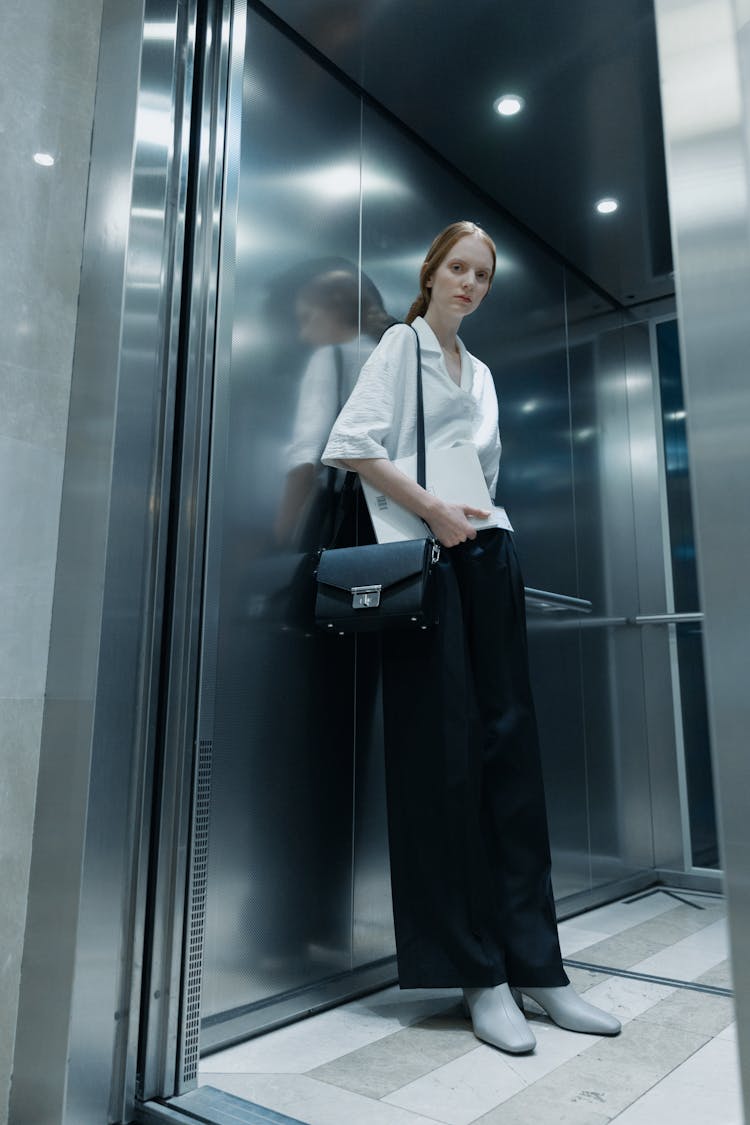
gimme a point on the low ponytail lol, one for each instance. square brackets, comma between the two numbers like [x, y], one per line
[418, 308]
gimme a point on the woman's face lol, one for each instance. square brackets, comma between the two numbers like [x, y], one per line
[461, 281]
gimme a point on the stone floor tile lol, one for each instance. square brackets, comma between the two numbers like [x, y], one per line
[692, 1011]
[690, 957]
[315, 1103]
[462, 1090]
[602, 1081]
[720, 976]
[397, 1060]
[584, 979]
[621, 951]
[704, 1090]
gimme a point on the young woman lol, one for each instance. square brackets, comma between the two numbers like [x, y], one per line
[470, 859]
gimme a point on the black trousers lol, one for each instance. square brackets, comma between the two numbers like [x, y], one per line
[470, 859]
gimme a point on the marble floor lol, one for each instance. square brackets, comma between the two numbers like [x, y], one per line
[396, 1057]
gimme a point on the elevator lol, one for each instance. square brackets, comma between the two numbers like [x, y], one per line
[290, 900]
[254, 861]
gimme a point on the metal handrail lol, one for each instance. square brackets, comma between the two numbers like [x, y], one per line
[664, 618]
[547, 599]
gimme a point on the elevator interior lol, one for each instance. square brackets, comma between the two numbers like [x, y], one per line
[255, 846]
[297, 909]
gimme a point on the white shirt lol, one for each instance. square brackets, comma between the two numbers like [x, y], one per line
[380, 418]
[321, 398]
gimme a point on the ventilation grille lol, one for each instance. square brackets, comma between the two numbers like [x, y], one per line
[192, 999]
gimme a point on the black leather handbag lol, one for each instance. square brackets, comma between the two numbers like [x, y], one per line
[381, 585]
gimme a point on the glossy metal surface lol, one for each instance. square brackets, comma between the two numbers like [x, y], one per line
[666, 618]
[78, 1022]
[704, 52]
[591, 126]
[172, 955]
[298, 890]
[276, 701]
[686, 642]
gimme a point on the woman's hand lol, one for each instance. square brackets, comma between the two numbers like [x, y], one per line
[450, 525]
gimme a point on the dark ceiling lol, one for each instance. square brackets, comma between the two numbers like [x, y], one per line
[591, 126]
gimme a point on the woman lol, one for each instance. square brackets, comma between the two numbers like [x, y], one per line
[470, 860]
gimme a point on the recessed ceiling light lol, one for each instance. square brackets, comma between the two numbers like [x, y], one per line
[607, 206]
[44, 158]
[508, 105]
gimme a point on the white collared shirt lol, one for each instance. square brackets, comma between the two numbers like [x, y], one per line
[380, 418]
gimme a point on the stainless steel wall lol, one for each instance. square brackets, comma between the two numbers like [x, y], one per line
[704, 56]
[297, 907]
[75, 1057]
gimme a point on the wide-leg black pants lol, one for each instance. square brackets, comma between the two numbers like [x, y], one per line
[470, 859]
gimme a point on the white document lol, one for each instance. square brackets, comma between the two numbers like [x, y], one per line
[454, 474]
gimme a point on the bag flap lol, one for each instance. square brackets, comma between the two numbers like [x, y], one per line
[381, 564]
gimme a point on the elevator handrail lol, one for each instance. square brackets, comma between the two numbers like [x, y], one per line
[547, 600]
[664, 618]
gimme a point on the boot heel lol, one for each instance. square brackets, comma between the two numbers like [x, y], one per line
[518, 997]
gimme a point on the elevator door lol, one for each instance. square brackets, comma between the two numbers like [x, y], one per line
[687, 640]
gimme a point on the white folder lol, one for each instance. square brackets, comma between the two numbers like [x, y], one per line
[454, 474]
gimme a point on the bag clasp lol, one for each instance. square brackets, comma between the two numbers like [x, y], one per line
[366, 597]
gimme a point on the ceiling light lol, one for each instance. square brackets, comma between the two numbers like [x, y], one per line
[44, 158]
[508, 105]
[607, 206]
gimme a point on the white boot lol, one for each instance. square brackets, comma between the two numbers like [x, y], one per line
[567, 1009]
[497, 1020]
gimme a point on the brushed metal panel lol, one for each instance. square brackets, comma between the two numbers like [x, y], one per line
[171, 1009]
[704, 55]
[687, 639]
[87, 867]
[654, 594]
[591, 126]
[614, 705]
[282, 699]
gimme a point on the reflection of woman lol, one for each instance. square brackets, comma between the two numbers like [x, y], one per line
[340, 313]
[470, 860]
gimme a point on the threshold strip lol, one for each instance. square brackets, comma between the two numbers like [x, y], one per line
[670, 982]
[671, 894]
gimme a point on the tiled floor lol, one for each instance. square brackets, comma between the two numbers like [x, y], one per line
[409, 1057]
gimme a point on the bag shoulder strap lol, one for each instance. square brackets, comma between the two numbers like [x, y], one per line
[421, 453]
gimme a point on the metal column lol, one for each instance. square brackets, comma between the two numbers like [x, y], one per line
[704, 53]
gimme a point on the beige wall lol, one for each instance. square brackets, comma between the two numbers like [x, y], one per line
[48, 59]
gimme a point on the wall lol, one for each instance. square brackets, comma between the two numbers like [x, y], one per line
[704, 59]
[48, 59]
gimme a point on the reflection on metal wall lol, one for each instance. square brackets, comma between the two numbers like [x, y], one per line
[279, 880]
[298, 885]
